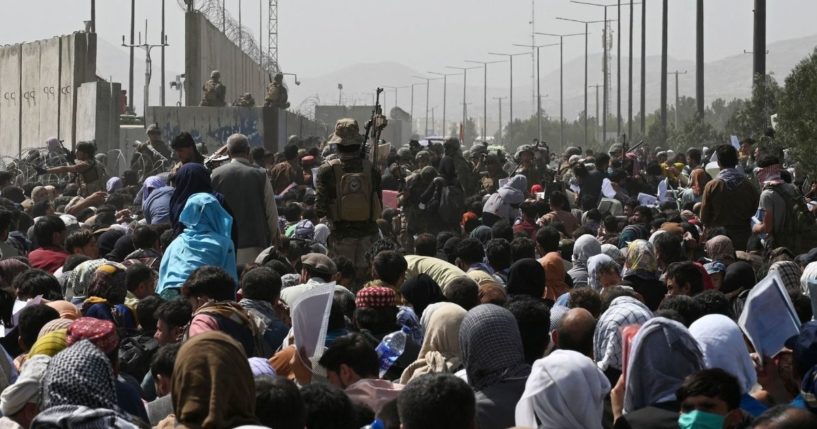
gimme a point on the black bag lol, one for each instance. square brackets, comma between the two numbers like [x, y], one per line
[135, 354]
[452, 204]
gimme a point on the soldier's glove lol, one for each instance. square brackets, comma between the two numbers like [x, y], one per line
[380, 122]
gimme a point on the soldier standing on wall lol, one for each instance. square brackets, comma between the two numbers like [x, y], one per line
[349, 194]
[214, 91]
[277, 94]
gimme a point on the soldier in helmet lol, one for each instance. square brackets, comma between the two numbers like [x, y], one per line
[422, 159]
[215, 92]
[349, 194]
[245, 100]
[277, 95]
[465, 171]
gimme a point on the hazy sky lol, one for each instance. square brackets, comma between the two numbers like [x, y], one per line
[320, 36]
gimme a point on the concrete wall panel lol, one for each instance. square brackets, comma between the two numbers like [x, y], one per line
[49, 104]
[10, 57]
[32, 96]
[68, 88]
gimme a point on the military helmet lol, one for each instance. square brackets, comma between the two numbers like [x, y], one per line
[347, 133]
[153, 128]
[215, 74]
[404, 154]
[572, 150]
[451, 144]
[423, 155]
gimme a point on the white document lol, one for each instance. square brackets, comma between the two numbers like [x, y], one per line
[768, 318]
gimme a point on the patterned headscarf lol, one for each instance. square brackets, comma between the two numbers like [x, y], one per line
[81, 277]
[102, 333]
[109, 282]
[623, 311]
[721, 249]
[640, 259]
[596, 265]
[54, 325]
[49, 344]
[789, 272]
[79, 375]
[491, 346]
[375, 297]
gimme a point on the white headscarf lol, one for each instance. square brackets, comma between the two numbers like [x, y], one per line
[27, 388]
[564, 390]
[662, 355]
[321, 234]
[721, 342]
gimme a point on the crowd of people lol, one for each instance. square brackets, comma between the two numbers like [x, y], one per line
[440, 287]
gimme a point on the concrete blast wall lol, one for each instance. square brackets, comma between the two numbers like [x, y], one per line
[38, 81]
[208, 49]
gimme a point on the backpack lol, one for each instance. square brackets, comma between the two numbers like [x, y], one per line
[354, 202]
[452, 204]
[799, 232]
[135, 354]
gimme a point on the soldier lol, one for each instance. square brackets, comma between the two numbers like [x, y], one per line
[465, 171]
[214, 91]
[154, 134]
[89, 173]
[277, 95]
[245, 100]
[349, 194]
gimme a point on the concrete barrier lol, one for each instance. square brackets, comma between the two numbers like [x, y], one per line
[10, 57]
[212, 125]
[48, 92]
[30, 85]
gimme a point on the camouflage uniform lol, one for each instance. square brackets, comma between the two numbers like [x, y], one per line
[350, 239]
[245, 100]
[215, 92]
[277, 95]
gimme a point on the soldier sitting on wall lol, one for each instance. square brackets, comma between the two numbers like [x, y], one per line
[277, 95]
[214, 91]
[245, 100]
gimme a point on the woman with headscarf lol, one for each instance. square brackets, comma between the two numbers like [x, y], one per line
[722, 344]
[555, 275]
[76, 287]
[205, 241]
[698, 179]
[79, 390]
[564, 390]
[505, 202]
[106, 297]
[114, 184]
[192, 178]
[623, 311]
[721, 249]
[151, 184]
[662, 354]
[641, 273]
[527, 277]
[482, 233]
[584, 247]
[440, 352]
[212, 385]
[603, 272]
[739, 276]
[494, 363]
[613, 252]
[420, 292]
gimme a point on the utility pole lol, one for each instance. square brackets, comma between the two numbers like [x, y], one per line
[510, 102]
[484, 94]
[561, 84]
[597, 103]
[148, 64]
[618, 67]
[643, 93]
[630, 79]
[93, 16]
[677, 97]
[240, 29]
[699, 58]
[586, 34]
[464, 93]
[162, 77]
[538, 87]
[499, 128]
[664, 24]
[759, 49]
[445, 92]
[428, 80]
[395, 88]
[130, 66]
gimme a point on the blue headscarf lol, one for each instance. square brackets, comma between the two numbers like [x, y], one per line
[204, 241]
[192, 178]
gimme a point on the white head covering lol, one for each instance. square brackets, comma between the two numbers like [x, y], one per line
[721, 342]
[662, 355]
[613, 252]
[27, 388]
[623, 311]
[321, 234]
[564, 390]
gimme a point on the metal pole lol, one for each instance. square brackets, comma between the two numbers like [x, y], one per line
[224, 16]
[676, 99]
[630, 80]
[561, 93]
[618, 72]
[411, 113]
[499, 127]
[538, 98]
[428, 85]
[485, 103]
[93, 16]
[699, 58]
[643, 93]
[759, 59]
[597, 105]
[240, 29]
[585, 83]
[130, 67]
[445, 89]
[604, 97]
[464, 105]
[510, 106]
[162, 41]
[664, 24]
